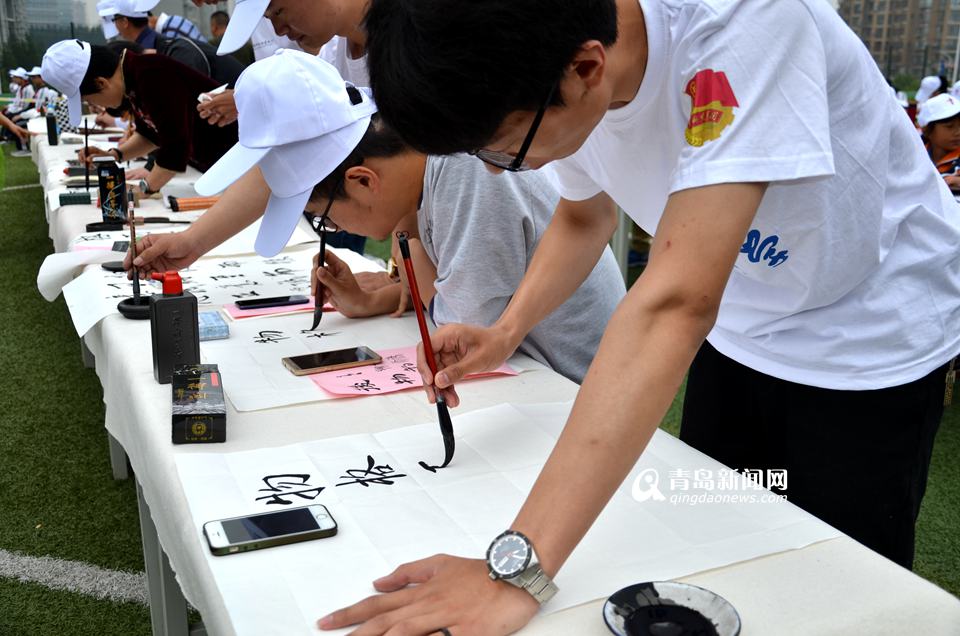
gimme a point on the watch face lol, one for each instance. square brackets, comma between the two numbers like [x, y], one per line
[509, 555]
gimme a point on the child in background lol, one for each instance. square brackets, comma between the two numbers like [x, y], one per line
[940, 121]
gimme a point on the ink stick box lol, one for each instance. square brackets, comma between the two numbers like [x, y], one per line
[113, 189]
[199, 410]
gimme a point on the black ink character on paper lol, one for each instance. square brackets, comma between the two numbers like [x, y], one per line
[365, 385]
[401, 378]
[225, 264]
[396, 358]
[280, 271]
[382, 475]
[269, 336]
[286, 486]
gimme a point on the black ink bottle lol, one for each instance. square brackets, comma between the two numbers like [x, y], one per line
[174, 329]
[53, 131]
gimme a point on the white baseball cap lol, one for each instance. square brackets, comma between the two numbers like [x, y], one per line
[126, 8]
[295, 142]
[64, 66]
[938, 108]
[928, 85]
[34, 71]
[246, 15]
[20, 72]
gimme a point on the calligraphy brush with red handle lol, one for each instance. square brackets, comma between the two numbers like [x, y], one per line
[446, 425]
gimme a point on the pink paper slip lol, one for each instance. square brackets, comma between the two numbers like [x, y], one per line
[397, 372]
[238, 314]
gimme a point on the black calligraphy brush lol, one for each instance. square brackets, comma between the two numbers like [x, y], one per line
[446, 425]
[86, 153]
[318, 298]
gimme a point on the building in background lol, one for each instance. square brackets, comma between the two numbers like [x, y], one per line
[916, 37]
[13, 21]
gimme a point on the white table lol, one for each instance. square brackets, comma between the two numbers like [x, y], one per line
[835, 587]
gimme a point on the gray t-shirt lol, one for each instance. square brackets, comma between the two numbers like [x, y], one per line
[480, 230]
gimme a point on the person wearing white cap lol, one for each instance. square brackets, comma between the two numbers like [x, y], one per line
[940, 122]
[160, 93]
[23, 96]
[12, 86]
[43, 97]
[332, 27]
[930, 86]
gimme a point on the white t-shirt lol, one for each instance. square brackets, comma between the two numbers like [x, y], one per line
[353, 70]
[849, 277]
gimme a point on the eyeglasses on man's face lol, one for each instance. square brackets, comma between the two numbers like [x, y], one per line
[516, 163]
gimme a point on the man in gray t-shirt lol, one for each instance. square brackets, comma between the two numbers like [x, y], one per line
[481, 230]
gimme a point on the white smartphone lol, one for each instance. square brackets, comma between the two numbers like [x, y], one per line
[255, 532]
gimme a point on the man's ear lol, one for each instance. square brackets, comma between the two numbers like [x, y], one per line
[101, 83]
[362, 184]
[586, 70]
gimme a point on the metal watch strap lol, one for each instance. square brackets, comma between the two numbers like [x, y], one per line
[536, 582]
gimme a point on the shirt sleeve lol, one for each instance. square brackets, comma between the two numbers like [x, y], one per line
[754, 89]
[570, 179]
[480, 229]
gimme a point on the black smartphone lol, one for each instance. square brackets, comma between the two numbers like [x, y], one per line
[275, 301]
[331, 360]
[241, 534]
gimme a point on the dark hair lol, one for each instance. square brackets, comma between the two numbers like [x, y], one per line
[379, 141]
[944, 84]
[104, 60]
[138, 23]
[221, 18]
[103, 63]
[446, 73]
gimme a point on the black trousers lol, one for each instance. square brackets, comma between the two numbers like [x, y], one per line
[856, 459]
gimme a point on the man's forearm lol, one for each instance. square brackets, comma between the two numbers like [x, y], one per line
[646, 349]
[567, 253]
[637, 371]
[239, 206]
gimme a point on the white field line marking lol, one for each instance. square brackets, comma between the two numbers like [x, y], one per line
[75, 576]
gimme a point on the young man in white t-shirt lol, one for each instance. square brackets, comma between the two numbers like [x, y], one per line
[799, 228]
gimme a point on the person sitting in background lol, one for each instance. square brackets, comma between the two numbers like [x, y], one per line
[133, 26]
[940, 122]
[23, 96]
[44, 98]
[159, 91]
[218, 26]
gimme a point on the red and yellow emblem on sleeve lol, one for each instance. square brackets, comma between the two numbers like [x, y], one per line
[712, 108]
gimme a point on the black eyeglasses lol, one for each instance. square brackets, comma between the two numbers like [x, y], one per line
[516, 163]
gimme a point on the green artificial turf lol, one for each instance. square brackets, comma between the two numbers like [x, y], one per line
[32, 610]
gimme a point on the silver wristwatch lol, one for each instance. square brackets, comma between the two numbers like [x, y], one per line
[511, 557]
